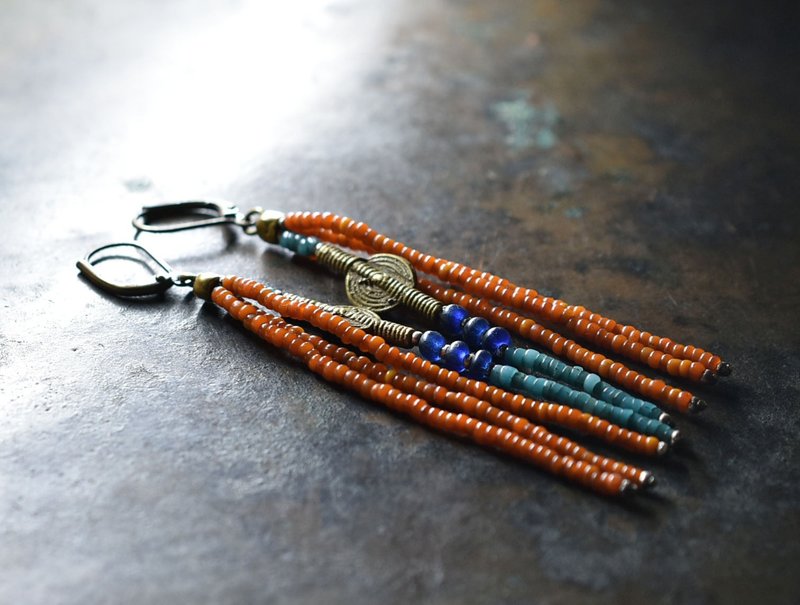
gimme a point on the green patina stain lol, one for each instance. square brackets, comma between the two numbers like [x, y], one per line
[527, 125]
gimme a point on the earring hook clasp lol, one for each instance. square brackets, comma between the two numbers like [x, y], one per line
[162, 280]
[197, 214]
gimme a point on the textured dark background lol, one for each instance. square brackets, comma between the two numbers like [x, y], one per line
[638, 158]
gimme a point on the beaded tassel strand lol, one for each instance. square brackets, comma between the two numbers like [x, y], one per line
[487, 346]
[673, 358]
[277, 332]
[538, 411]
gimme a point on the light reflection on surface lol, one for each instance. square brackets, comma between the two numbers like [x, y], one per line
[230, 91]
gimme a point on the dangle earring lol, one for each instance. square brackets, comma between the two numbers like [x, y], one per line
[484, 352]
[436, 397]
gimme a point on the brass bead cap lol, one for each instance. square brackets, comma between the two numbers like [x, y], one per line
[204, 284]
[269, 225]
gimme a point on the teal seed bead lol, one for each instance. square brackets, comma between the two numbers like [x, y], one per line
[620, 416]
[307, 246]
[653, 427]
[590, 382]
[509, 378]
[535, 386]
[503, 376]
[302, 246]
[288, 240]
[575, 373]
[530, 360]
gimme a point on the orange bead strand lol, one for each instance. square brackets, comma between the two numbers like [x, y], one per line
[344, 230]
[459, 402]
[595, 362]
[538, 411]
[287, 337]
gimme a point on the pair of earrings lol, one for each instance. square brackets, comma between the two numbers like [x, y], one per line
[468, 378]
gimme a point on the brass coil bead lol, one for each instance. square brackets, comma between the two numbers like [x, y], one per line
[340, 261]
[395, 333]
[335, 259]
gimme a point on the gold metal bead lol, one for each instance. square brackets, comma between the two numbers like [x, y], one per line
[269, 226]
[381, 283]
[204, 283]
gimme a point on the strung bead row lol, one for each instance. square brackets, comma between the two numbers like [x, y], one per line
[442, 397]
[492, 342]
[490, 286]
[531, 360]
[297, 243]
[615, 371]
[653, 389]
[535, 410]
[275, 331]
[478, 333]
[480, 365]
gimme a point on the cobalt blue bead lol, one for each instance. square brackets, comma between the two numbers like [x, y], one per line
[496, 340]
[480, 364]
[452, 318]
[454, 356]
[474, 329]
[430, 345]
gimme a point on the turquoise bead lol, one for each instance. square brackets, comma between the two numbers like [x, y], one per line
[502, 376]
[307, 246]
[288, 240]
[531, 360]
[511, 379]
[590, 382]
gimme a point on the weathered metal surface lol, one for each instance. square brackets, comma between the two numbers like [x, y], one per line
[638, 158]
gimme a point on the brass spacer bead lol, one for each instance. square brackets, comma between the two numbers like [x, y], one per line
[204, 284]
[269, 225]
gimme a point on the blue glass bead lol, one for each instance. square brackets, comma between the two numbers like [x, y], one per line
[480, 364]
[452, 318]
[474, 329]
[454, 356]
[431, 344]
[496, 340]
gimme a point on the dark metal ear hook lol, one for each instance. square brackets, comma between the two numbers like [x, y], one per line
[217, 213]
[162, 280]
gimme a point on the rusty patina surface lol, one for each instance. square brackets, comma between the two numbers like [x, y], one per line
[640, 159]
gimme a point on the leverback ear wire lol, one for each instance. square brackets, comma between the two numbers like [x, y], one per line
[162, 281]
[194, 214]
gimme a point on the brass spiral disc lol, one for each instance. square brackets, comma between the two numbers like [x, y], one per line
[363, 292]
